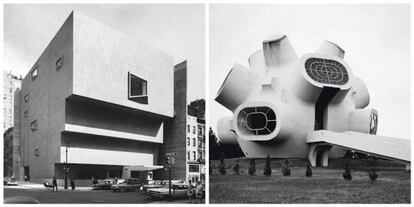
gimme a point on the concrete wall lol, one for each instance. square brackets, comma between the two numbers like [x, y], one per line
[99, 150]
[175, 129]
[103, 116]
[46, 95]
[102, 59]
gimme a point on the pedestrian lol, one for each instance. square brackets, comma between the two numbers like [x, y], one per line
[72, 184]
[116, 181]
[25, 178]
[199, 191]
[190, 191]
[54, 183]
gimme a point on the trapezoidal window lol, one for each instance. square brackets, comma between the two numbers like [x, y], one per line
[34, 73]
[256, 121]
[326, 71]
[373, 124]
[137, 89]
[59, 63]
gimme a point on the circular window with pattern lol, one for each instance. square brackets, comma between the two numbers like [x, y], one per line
[256, 121]
[326, 71]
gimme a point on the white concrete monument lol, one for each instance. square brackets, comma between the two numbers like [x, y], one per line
[312, 106]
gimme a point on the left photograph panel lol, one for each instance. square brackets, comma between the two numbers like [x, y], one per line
[104, 103]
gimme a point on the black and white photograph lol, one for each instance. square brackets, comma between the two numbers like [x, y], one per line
[104, 103]
[207, 103]
[309, 103]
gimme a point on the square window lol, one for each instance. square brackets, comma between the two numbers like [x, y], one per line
[34, 73]
[33, 125]
[137, 89]
[59, 63]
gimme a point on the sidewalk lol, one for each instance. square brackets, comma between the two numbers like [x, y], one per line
[28, 185]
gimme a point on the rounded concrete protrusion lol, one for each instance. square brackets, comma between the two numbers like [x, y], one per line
[330, 48]
[360, 94]
[237, 86]
[278, 50]
[225, 132]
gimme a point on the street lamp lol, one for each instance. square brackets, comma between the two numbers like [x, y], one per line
[66, 168]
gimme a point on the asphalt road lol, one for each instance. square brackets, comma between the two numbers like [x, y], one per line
[97, 196]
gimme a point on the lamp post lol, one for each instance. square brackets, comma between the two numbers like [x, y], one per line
[66, 168]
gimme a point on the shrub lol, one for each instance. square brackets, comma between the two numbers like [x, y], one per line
[267, 170]
[222, 167]
[236, 168]
[252, 168]
[285, 168]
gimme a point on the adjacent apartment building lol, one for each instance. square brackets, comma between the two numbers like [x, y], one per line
[10, 84]
[96, 104]
[195, 169]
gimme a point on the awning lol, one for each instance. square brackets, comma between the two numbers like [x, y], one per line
[143, 167]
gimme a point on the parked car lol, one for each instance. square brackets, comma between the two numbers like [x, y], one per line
[103, 184]
[10, 181]
[127, 185]
[178, 190]
[154, 184]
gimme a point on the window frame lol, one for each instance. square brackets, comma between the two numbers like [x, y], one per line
[142, 99]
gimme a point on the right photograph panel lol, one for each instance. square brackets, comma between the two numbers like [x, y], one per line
[310, 103]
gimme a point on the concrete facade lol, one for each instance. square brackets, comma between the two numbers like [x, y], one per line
[10, 84]
[195, 158]
[282, 98]
[75, 106]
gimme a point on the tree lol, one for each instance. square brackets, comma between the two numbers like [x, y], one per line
[347, 174]
[252, 168]
[222, 167]
[214, 149]
[267, 170]
[197, 108]
[236, 168]
[285, 168]
[372, 175]
[308, 170]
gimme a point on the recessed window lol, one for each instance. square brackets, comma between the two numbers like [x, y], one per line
[373, 124]
[137, 89]
[326, 71]
[194, 155]
[188, 128]
[188, 155]
[194, 142]
[188, 141]
[37, 152]
[256, 121]
[26, 98]
[34, 73]
[33, 125]
[193, 168]
[194, 130]
[59, 63]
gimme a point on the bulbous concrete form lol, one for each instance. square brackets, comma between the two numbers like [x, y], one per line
[282, 98]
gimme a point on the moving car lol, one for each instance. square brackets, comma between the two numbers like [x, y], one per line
[131, 184]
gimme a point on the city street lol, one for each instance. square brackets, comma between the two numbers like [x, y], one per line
[44, 195]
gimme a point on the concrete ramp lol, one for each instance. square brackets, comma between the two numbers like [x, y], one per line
[386, 147]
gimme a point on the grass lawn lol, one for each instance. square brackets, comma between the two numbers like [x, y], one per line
[325, 186]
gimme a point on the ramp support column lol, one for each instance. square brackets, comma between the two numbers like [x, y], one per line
[324, 154]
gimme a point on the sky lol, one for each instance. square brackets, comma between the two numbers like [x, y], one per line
[177, 30]
[375, 37]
